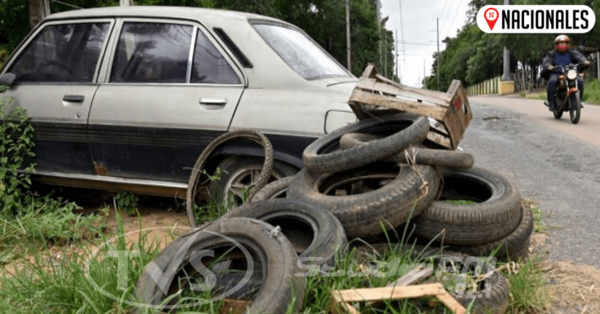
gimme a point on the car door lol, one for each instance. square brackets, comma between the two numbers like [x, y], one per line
[56, 71]
[170, 90]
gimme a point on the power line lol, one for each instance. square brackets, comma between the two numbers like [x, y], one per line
[67, 4]
[455, 14]
[419, 44]
[447, 16]
[444, 8]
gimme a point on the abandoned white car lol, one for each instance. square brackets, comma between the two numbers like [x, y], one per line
[127, 98]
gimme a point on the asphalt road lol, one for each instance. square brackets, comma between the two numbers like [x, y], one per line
[551, 161]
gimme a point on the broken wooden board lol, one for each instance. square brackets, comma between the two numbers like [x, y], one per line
[413, 277]
[374, 94]
[341, 299]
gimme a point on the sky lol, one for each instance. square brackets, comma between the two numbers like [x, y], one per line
[418, 24]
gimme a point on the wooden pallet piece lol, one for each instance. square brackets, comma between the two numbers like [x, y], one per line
[451, 110]
[341, 299]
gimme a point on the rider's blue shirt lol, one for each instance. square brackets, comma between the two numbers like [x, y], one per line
[562, 58]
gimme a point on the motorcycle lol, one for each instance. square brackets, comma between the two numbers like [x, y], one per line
[567, 93]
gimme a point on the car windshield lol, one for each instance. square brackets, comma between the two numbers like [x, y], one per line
[300, 53]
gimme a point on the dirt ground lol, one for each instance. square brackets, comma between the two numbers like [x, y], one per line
[574, 288]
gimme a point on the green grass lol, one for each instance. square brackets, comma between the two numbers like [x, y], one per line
[49, 285]
[528, 288]
[591, 96]
[461, 202]
[539, 95]
[592, 92]
[538, 215]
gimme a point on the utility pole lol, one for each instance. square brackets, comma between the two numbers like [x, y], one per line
[126, 3]
[379, 27]
[506, 59]
[38, 10]
[386, 55]
[424, 74]
[437, 20]
[396, 58]
[348, 34]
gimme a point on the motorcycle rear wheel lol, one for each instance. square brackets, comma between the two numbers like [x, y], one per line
[574, 107]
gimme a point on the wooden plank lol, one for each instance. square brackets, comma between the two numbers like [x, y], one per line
[451, 303]
[385, 88]
[341, 298]
[454, 86]
[360, 97]
[369, 71]
[337, 307]
[439, 139]
[392, 293]
[412, 277]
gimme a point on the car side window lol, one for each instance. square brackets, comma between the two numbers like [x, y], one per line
[209, 65]
[152, 53]
[62, 53]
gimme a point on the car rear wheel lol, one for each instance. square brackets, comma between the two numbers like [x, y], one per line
[241, 173]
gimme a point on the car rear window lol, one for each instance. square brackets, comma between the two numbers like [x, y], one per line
[300, 53]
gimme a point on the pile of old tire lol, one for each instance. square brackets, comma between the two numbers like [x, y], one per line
[252, 253]
[378, 172]
[365, 186]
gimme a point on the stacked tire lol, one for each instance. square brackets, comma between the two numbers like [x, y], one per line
[363, 186]
[359, 181]
[378, 174]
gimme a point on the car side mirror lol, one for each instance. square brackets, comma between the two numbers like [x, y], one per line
[8, 79]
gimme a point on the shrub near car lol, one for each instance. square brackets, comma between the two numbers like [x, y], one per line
[127, 98]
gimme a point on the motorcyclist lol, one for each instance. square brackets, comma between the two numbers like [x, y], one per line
[562, 55]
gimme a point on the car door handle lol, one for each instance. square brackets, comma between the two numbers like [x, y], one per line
[213, 101]
[74, 98]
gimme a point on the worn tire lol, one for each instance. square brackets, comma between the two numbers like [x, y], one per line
[497, 300]
[193, 183]
[512, 247]
[497, 214]
[312, 231]
[241, 167]
[321, 155]
[275, 189]
[270, 252]
[422, 156]
[492, 293]
[360, 214]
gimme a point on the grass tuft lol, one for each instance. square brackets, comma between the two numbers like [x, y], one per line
[529, 292]
[538, 215]
[461, 202]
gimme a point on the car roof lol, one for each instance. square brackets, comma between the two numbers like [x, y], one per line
[192, 13]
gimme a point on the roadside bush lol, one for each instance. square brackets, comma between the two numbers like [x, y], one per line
[25, 216]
